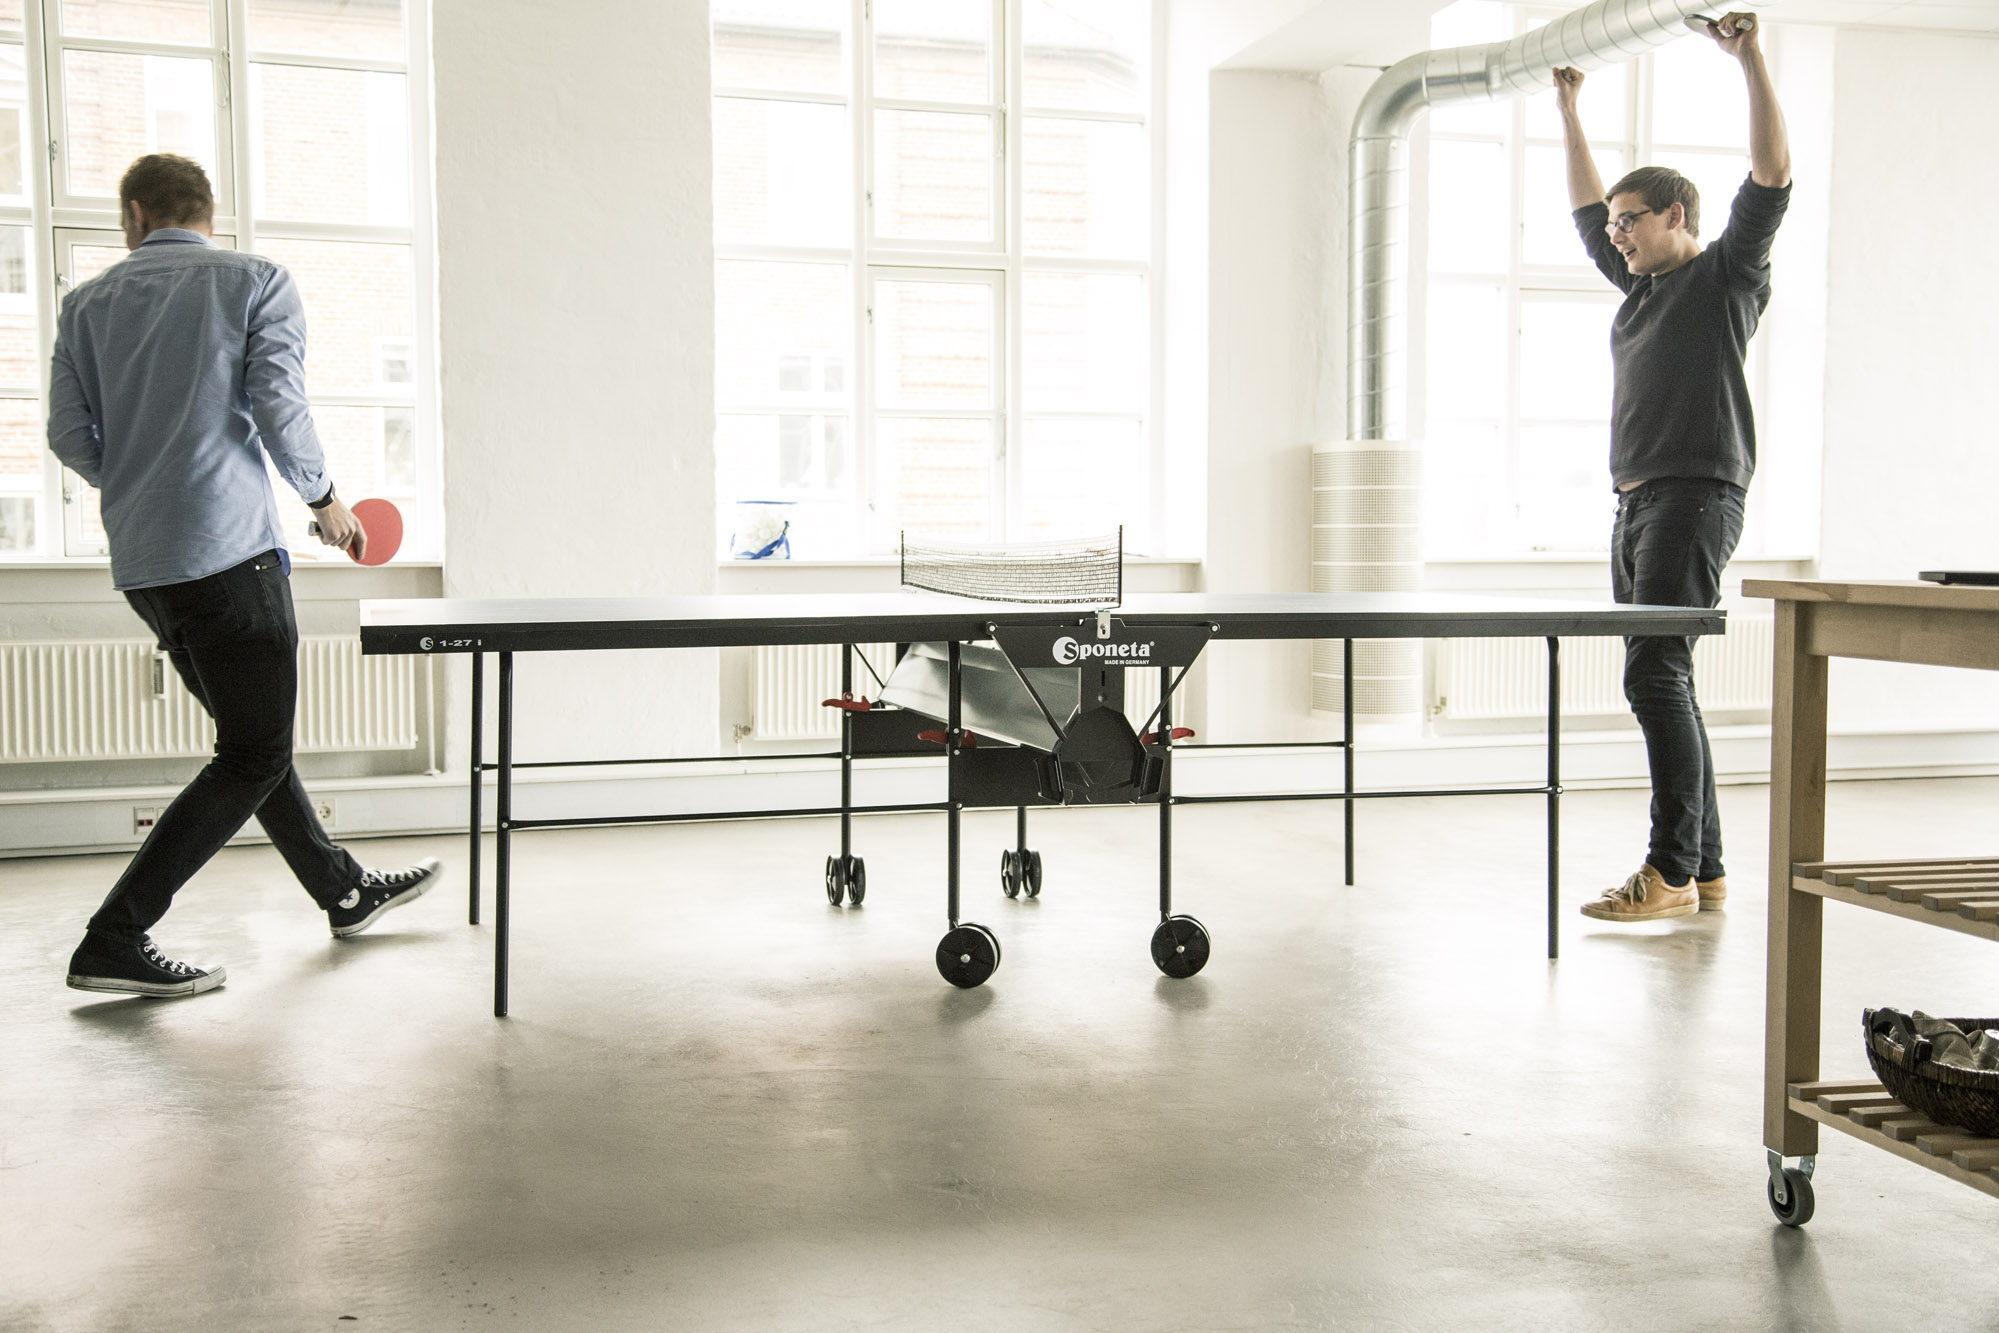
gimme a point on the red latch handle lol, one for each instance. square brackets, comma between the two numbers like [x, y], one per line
[971, 742]
[848, 702]
[1179, 734]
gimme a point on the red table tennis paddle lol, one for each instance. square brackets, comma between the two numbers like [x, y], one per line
[383, 523]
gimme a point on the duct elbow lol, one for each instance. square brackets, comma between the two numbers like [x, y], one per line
[1391, 104]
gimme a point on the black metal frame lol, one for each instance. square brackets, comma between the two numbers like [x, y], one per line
[505, 823]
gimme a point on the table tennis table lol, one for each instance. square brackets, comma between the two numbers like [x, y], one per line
[1165, 632]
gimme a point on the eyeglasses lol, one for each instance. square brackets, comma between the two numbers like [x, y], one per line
[1624, 222]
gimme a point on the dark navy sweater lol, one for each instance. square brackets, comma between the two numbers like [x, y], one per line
[1680, 405]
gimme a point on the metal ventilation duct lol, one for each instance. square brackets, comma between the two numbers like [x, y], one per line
[1605, 33]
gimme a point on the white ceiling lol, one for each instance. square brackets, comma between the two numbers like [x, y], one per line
[1966, 16]
[1371, 32]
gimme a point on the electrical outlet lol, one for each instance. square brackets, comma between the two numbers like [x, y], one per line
[323, 807]
[143, 819]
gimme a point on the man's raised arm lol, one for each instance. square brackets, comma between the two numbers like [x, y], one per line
[1585, 186]
[1769, 142]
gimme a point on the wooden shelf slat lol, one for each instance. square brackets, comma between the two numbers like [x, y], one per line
[1814, 1091]
[1844, 872]
[1873, 1117]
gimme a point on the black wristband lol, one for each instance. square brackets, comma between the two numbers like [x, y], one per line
[322, 501]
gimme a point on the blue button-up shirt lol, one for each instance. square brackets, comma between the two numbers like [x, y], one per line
[176, 371]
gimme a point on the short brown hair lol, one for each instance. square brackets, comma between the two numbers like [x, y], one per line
[173, 190]
[1661, 188]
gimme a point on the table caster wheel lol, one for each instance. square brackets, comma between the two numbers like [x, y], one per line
[846, 877]
[1010, 874]
[967, 955]
[1034, 874]
[1180, 946]
[1796, 1209]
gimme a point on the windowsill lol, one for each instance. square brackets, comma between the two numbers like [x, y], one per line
[892, 562]
[1591, 558]
[83, 562]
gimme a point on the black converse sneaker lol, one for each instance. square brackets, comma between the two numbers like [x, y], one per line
[378, 891]
[136, 969]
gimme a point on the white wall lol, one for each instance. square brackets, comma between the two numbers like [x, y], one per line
[1911, 468]
[1275, 372]
[576, 302]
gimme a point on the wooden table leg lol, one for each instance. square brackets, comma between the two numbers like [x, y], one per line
[1797, 833]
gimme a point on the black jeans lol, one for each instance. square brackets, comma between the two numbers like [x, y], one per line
[233, 639]
[1672, 538]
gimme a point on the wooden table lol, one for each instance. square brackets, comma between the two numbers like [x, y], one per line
[1818, 620]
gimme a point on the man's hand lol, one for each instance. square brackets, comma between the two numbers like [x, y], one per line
[1735, 32]
[1568, 85]
[338, 527]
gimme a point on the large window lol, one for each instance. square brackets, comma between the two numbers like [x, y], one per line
[933, 297]
[302, 112]
[1517, 370]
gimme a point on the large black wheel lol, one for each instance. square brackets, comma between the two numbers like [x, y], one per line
[1034, 874]
[1796, 1209]
[967, 955]
[1010, 876]
[836, 888]
[1180, 946]
[857, 881]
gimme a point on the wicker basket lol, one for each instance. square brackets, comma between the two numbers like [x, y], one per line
[1944, 1093]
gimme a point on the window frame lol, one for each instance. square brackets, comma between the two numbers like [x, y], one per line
[1003, 260]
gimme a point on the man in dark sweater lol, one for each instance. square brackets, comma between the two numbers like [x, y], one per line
[1682, 446]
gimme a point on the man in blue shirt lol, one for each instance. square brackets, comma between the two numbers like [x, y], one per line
[176, 372]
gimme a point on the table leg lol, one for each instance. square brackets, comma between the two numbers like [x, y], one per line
[846, 756]
[1165, 793]
[478, 786]
[1346, 720]
[952, 740]
[1554, 794]
[502, 836]
[1797, 920]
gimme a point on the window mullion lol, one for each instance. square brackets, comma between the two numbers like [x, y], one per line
[866, 474]
[52, 525]
[1010, 431]
[236, 46]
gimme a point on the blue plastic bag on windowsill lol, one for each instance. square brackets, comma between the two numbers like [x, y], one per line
[763, 530]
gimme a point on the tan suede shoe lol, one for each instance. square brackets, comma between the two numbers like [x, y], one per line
[1645, 897]
[1713, 892]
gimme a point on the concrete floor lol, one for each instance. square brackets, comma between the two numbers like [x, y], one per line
[722, 1104]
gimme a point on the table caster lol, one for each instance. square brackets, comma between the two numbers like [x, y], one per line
[1794, 1209]
[967, 955]
[846, 877]
[1020, 871]
[1180, 946]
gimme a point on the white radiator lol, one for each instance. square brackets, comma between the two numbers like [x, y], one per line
[123, 700]
[789, 684]
[1485, 679]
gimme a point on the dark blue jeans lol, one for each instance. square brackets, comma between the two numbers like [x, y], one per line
[1672, 539]
[233, 639]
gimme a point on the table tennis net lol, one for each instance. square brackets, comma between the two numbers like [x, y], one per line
[1085, 570]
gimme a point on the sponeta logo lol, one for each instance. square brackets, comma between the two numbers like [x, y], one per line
[1068, 651]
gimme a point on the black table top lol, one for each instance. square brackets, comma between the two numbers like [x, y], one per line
[573, 624]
